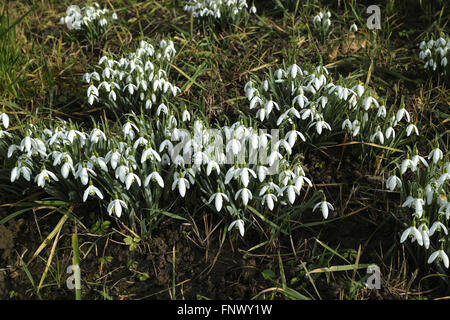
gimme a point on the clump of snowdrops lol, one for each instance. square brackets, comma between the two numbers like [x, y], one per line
[89, 21]
[137, 82]
[435, 54]
[320, 110]
[423, 183]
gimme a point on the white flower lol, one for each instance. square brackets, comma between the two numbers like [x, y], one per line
[252, 10]
[269, 199]
[244, 174]
[347, 124]
[149, 153]
[436, 154]
[400, 113]
[292, 135]
[83, 173]
[414, 233]
[127, 130]
[353, 28]
[121, 172]
[20, 170]
[90, 191]
[262, 172]
[186, 115]
[240, 224]
[43, 176]
[245, 193]
[416, 203]
[424, 231]
[407, 163]
[393, 181]
[442, 255]
[390, 131]
[292, 190]
[415, 160]
[113, 157]
[324, 206]
[154, 176]
[182, 183]
[115, 206]
[96, 135]
[429, 192]
[378, 135]
[437, 226]
[218, 199]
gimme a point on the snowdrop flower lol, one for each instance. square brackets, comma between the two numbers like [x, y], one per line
[252, 9]
[67, 168]
[113, 157]
[20, 169]
[154, 176]
[83, 173]
[127, 130]
[91, 190]
[347, 124]
[186, 115]
[320, 124]
[245, 194]
[353, 28]
[218, 198]
[367, 102]
[292, 135]
[141, 141]
[121, 172]
[4, 119]
[292, 190]
[240, 224]
[393, 181]
[356, 126]
[407, 163]
[410, 129]
[441, 255]
[413, 233]
[446, 207]
[115, 206]
[43, 176]
[96, 135]
[130, 178]
[390, 131]
[149, 153]
[416, 159]
[269, 199]
[400, 113]
[416, 203]
[378, 134]
[182, 183]
[382, 112]
[436, 154]
[424, 231]
[212, 165]
[324, 206]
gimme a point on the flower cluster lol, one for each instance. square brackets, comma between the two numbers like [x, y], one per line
[435, 54]
[88, 18]
[138, 82]
[216, 8]
[423, 182]
[311, 104]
